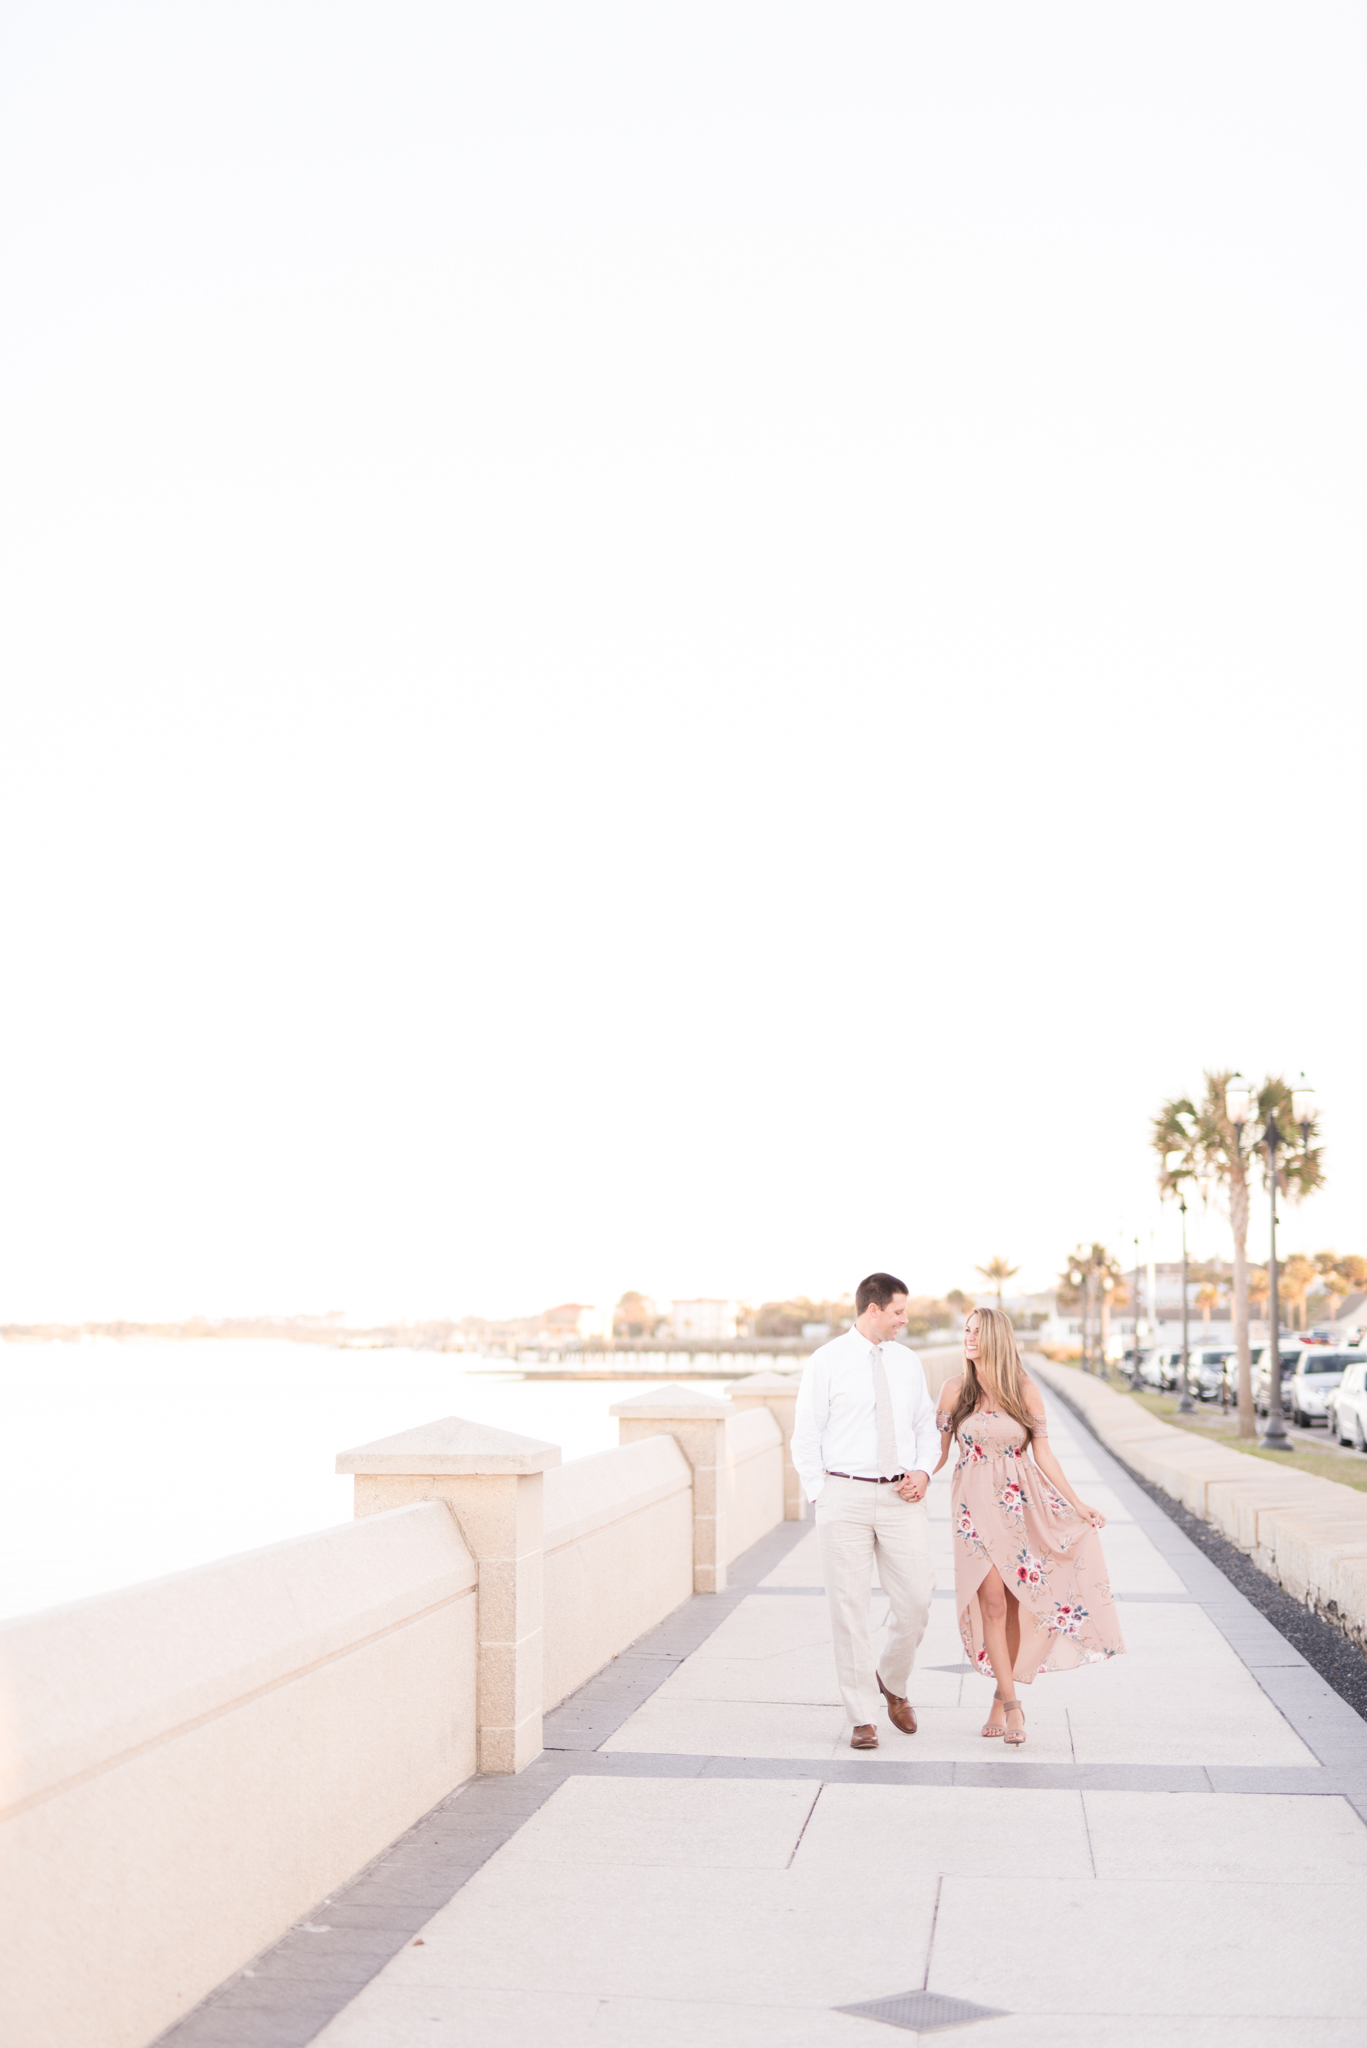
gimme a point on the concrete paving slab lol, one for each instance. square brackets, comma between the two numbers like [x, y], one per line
[731, 1728]
[757, 1728]
[1223, 1839]
[741, 1936]
[1181, 1947]
[530, 2019]
[408, 2013]
[901, 1831]
[797, 1678]
[675, 1823]
[1102, 2029]
[1135, 1566]
[802, 1565]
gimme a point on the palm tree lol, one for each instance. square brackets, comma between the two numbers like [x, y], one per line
[1352, 1273]
[1207, 1298]
[1112, 1292]
[996, 1272]
[1335, 1279]
[1069, 1293]
[1100, 1285]
[1203, 1146]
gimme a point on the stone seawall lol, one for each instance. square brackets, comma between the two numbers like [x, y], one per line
[189, 1767]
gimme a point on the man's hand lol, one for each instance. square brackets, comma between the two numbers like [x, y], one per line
[913, 1487]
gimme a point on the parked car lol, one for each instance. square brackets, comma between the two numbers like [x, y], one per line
[1229, 1378]
[1229, 1374]
[1318, 1372]
[1168, 1369]
[1347, 1406]
[1206, 1369]
[1151, 1368]
[1168, 1365]
[1290, 1360]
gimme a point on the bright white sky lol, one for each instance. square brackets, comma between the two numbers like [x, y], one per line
[698, 646]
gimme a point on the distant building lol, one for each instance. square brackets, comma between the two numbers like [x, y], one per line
[576, 1319]
[564, 1320]
[635, 1315]
[703, 1321]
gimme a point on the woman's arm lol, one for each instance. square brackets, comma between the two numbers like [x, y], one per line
[944, 1408]
[1049, 1464]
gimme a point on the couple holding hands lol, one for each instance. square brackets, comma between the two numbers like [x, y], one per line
[1030, 1581]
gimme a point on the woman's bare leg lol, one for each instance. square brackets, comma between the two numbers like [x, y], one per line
[1000, 1613]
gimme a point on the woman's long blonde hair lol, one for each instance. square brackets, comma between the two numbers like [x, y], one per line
[997, 1372]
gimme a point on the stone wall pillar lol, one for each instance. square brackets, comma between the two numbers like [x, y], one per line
[777, 1391]
[491, 1482]
[697, 1423]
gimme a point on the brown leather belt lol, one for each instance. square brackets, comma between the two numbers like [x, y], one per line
[865, 1480]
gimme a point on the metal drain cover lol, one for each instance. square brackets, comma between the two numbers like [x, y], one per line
[922, 2012]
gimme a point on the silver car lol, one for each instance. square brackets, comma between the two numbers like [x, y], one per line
[1347, 1407]
[1317, 1375]
[1151, 1368]
[1207, 1371]
[1262, 1375]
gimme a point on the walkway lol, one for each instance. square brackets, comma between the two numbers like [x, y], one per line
[699, 1858]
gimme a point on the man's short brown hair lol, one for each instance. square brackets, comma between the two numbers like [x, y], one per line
[877, 1291]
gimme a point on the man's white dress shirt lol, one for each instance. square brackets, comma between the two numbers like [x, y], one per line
[836, 1426]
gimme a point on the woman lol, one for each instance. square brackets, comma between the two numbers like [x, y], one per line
[1030, 1579]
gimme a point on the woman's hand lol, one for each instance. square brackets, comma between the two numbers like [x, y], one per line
[1092, 1515]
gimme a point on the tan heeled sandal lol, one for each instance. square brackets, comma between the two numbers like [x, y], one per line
[988, 1729]
[1014, 1737]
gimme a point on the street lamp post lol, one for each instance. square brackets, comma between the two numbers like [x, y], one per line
[1179, 1171]
[1276, 1436]
[1239, 1107]
[1105, 1287]
[1135, 1380]
[1185, 1405]
[1075, 1280]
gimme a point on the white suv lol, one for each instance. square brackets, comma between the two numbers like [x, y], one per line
[1348, 1407]
[1317, 1375]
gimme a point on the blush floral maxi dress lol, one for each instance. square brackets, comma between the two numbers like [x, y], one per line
[1005, 1513]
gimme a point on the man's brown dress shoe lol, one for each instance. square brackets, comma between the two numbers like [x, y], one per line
[901, 1713]
[865, 1736]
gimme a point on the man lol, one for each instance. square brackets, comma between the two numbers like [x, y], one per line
[864, 1444]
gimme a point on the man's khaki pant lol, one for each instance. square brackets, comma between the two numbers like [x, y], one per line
[859, 1523]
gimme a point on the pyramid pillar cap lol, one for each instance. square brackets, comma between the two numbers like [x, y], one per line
[451, 1445]
[766, 1382]
[673, 1404]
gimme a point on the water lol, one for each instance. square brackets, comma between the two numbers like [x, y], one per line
[126, 1461]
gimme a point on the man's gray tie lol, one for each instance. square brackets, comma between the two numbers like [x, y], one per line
[882, 1402]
